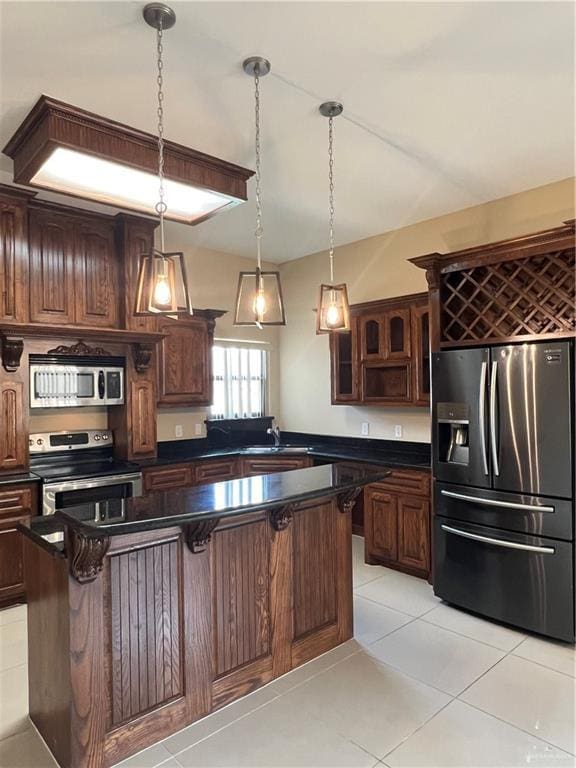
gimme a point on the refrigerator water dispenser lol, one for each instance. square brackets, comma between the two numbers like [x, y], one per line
[453, 432]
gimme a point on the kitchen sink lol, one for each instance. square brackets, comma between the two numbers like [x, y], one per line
[275, 449]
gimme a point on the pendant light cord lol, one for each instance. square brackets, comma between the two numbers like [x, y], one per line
[161, 206]
[259, 229]
[331, 193]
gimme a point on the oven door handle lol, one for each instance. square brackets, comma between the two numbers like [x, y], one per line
[99, 482]
[498, 542]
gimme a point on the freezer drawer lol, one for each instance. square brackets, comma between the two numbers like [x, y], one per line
[526, 581]
[535, 515]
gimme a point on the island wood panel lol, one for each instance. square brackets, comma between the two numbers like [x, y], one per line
[240, 595]
[314, 577]
[145, 620]
[202, 659]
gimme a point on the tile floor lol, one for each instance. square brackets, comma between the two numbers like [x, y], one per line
[422, 684]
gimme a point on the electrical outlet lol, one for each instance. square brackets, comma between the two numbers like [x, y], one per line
[365, 428]
[179, 430]
[197, 429]
[398, 430]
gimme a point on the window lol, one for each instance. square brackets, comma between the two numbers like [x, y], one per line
[239, 382]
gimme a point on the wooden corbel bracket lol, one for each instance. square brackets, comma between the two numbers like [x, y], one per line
[281, 517]
[11, 353]
[347, 501]
[198, 534]
[86, 555]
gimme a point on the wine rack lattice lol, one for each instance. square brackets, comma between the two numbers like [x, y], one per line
[513, 298]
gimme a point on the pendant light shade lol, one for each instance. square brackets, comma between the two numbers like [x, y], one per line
[333, 311]
[259, 298]
[162, 287]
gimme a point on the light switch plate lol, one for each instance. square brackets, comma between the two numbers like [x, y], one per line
[365, 428]
[179, 430]
[197, 429]
[398, 430]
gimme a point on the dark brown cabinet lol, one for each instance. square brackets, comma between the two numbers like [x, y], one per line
[73, 270]
[384, 359]
[185, 362]
[265, 464]
[168, 477]
[13, 260]
[17, 504]
[216, 471]
[13, 422]
[397, 522]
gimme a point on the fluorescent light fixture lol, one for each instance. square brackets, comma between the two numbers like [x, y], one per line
[65, 149]
[82, 175]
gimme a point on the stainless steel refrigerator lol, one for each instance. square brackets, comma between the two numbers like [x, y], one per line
[504, 469]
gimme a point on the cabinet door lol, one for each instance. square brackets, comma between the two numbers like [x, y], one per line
[13, 424]
[142, 418]
[216, 471]
[13, 262]
[381, 524]
[344, 365]
[96, 274]
[420, 322]
[397, 334]
[165, 478]
[414, 533]
[372, 343]
[134, 238]
[51, 268]
[185, 363]
[265, 465]
[17, 503]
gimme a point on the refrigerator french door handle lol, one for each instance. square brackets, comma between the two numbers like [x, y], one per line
[493, 425]
[497, 503]
[498, 542]
[482, 414]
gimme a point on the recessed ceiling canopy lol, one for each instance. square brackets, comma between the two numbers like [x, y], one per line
[65, 149]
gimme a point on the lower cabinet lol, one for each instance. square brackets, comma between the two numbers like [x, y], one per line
[17, 504]
[168, 477]
[397, 522]
[263, 465]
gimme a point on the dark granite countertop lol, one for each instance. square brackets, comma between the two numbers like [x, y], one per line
[163, 509]
[21, 477]
[387, 453]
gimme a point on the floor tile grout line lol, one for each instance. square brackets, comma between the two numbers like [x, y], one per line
[390, 608]
[514, 725]
[540, 664]
[461, 634]
[415, 731]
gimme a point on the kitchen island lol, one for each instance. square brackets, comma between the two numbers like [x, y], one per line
[147, 614]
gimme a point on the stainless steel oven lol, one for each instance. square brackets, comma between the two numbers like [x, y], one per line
[94, 490]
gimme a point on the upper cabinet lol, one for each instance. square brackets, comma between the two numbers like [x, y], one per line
[73, 270]
[384, 359]
[13, 258]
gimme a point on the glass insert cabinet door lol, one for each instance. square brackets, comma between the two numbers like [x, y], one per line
[385, 335]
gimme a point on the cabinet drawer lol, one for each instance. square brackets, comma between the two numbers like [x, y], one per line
[406, 480]
[161, 479]
[215, 471]
[15, 500]
[266, 465]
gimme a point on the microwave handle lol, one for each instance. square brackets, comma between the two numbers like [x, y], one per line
[101, 385]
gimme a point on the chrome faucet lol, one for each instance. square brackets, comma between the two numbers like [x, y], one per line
[275, 432]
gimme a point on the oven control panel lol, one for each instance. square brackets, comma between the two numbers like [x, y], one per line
[50, 442]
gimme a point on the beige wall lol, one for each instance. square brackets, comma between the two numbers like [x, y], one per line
[378, 268]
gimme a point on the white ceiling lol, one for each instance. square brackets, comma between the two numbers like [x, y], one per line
[446, 104]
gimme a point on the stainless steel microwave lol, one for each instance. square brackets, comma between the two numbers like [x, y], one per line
[65, 384]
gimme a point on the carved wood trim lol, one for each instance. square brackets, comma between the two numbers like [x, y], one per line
[142, 355]
[11, 353]
[347, 501]
[281, 517]
[86, 555]
[198, 534]
[80, 349]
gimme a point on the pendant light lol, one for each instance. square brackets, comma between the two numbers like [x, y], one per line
[259, 298]
[333, 309]
[162, 287]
